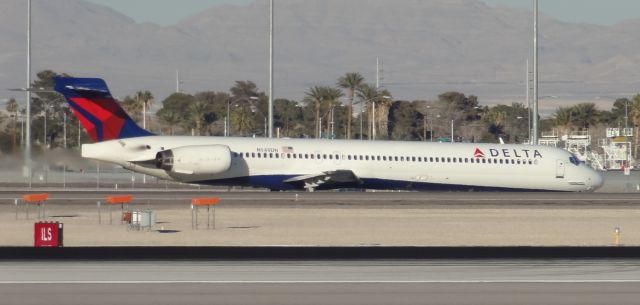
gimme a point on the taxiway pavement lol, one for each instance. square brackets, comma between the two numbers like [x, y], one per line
[322, 282]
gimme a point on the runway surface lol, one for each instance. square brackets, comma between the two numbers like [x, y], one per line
[322, 282]
[343, 199]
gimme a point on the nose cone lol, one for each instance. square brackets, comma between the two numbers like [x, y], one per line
[595, 180]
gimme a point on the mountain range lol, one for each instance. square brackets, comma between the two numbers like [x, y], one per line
[425, 48]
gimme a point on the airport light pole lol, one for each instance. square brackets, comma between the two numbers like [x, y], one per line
[534, 136]
[270, 69]
[361, 114]
[228, 118]
[27, 147]
[424, 123]
[452, 140]
[44, 136]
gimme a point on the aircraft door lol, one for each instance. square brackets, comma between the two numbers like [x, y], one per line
[560, 166]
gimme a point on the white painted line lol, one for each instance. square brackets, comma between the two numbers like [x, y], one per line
[357, 199]
[328, 282]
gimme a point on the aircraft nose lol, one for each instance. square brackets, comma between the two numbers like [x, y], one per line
[596, 180]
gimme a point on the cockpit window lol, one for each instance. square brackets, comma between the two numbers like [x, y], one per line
[573, 159]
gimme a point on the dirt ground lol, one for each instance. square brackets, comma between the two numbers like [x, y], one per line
[335, 226]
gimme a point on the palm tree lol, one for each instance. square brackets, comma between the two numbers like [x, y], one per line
[244, 90]
[563, 118]
[316, 96]
[351, 82]
[195, 115]
[170, 118]
[145, 98]
[243, 120]
[634, 113]
[132, 107]
[12, 108]
[368, 94]
[585, 114]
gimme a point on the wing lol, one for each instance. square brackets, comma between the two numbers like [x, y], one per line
[326, 180]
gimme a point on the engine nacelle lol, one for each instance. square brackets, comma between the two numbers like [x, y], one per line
[195, 160]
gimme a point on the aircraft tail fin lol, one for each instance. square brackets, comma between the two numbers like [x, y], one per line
[99, 113]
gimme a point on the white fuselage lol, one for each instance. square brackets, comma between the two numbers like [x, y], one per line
[267, 163]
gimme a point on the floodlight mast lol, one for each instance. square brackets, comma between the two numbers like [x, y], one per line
[27, 147]
[270, 69]
[534, 134]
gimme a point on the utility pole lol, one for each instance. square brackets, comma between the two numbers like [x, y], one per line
[452, 140]
[27, 150]
[528, 80]
[377, 72]
[534, 135]
[177, 81]
[64, 128]
[373, 102]
[270, 68]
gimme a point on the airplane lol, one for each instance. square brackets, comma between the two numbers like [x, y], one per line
[316, 164]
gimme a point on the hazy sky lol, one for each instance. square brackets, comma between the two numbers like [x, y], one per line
[607, 12]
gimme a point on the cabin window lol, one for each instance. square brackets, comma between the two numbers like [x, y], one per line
[448, 160]
[413, 159]
[324, 156]
[484, 161]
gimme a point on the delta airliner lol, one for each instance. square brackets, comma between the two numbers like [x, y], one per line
[309, 164]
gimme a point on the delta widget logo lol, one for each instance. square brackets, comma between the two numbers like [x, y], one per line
[478, 153]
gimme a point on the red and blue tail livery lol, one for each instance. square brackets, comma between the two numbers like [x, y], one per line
[97, 110]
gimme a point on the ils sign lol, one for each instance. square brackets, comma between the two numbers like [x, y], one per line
[48, 234]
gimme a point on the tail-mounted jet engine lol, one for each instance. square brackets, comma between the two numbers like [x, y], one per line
[195, 160]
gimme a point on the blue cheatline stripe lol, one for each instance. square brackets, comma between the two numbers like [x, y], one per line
[275, 182]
